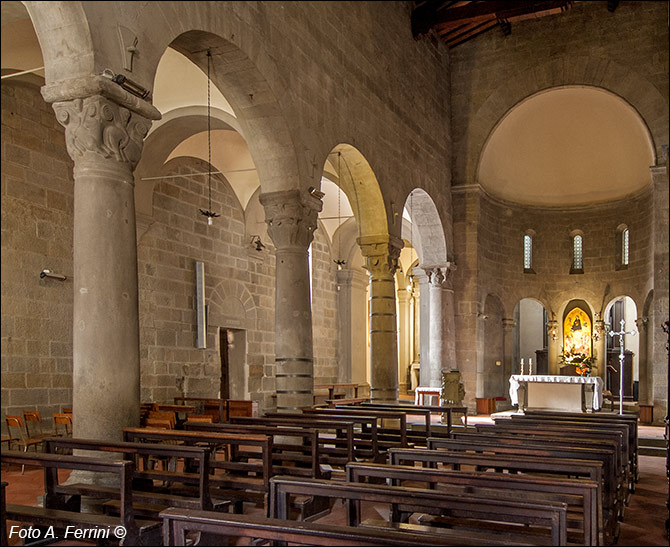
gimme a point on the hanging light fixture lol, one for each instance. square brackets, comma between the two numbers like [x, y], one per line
[340, 263]
[209, 213]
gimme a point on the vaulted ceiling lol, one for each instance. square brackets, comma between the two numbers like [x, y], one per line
[457, 22]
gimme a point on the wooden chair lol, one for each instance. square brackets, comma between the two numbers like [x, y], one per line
[65, 423]
[19, 437]
[33, 421]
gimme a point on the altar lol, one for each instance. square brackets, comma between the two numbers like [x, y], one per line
[563, 393]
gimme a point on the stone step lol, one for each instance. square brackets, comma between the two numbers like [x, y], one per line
[651, 443]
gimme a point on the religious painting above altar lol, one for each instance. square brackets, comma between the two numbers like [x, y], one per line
[577, 333]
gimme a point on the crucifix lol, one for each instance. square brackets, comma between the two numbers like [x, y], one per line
[621, 334]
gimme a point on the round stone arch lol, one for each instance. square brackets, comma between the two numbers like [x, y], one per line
[427, 225]
[347, 167]
[232, 305]
[173, 129]
[638, 92]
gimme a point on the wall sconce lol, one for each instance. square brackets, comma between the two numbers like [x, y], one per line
[256, 240]
[127, 84]
[316, 193]
[340, 264]
[48, 273]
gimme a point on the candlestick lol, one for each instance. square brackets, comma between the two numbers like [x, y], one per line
[521, 367]
[530, 366]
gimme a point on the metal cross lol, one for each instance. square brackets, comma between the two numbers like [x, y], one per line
[621, 334]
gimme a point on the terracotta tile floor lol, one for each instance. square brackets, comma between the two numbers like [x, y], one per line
[643, 524]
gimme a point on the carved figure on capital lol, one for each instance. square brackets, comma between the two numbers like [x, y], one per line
[100, 128]
[440, 275]
[291, 218]
[381, 255]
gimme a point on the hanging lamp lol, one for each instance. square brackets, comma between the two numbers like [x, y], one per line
[209, 213]
[340, 263]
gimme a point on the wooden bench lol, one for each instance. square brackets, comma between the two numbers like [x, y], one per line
[434, 409]
[242, 481]
[365, 442]
[536, 466]
[579, 495]
[336, 437]
[616, 432]
[603, 418]
[153, 501]
[301, 458]
[610, 502]
[551, 515]
[60, 514]
[178, 522]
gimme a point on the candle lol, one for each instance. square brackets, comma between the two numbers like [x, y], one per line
[530, 366]
[522, 367]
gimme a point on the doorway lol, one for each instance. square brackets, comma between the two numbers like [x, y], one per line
[234, 377]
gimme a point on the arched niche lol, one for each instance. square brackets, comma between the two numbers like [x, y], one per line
[622, 308]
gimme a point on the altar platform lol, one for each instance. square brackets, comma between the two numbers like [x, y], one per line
[562, 393]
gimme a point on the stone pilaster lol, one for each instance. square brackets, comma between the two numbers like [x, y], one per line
[438, 292]
[352, 366]
[424, 326]
[509, 337]
[600, 347]
[291, 218]
[645, 377]
[404, 339]
[381, 260]
[105, 141]
[554, 346]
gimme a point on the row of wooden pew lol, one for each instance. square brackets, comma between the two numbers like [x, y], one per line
[533, 479]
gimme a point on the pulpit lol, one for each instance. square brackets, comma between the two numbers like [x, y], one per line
[561, 393]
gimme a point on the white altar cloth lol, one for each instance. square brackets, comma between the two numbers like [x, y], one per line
[516, 380]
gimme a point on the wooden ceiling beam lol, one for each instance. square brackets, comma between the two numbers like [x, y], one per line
[454, 39]
[430, 15]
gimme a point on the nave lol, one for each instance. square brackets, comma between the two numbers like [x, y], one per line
[627, 511]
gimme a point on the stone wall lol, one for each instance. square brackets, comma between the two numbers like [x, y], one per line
[37, 208]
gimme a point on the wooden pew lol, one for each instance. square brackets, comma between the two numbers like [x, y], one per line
[60, 514]
[365, 442]
[616, 432]
[152, 501]
[385, 437]
[438, 409]
[242, 481]
[599, 417]
[552, 515]
[336, 450]
[610, 502]
[301, 459]
[579, 495]
[177, 522]
[542, 466]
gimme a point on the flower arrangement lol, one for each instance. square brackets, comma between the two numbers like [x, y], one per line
[583, 364]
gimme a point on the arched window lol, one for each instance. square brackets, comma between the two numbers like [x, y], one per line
[577, 254]
[622, 246]
[528, 252]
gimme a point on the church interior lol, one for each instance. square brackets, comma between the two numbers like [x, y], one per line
[442, 216]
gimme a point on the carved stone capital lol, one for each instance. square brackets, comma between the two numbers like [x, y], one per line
[641, 323]
[508, 323]
[97, 128]
[381, 254]
[291, 218]
[440, 276]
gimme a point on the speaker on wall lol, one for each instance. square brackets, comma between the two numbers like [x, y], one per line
[200, 310]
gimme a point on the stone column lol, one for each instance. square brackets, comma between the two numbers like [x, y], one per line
[291, 218]
[509, 337]
[437, 324]
[351, 303]
[381, 260]
[104, 139]
[600, 347]
[644, 379]
[554, 347]
[424, 327]
[404, 337]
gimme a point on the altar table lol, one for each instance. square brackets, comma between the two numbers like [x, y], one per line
[566, 393]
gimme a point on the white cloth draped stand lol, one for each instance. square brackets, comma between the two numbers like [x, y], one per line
[517, 380]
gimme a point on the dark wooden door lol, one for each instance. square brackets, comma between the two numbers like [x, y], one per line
[223, 345]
